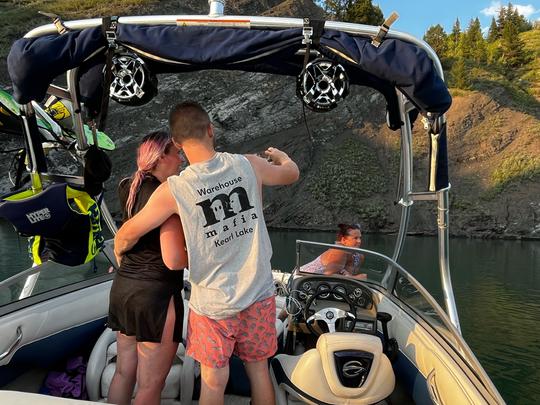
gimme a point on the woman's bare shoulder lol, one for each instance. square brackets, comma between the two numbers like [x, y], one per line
[334, 255]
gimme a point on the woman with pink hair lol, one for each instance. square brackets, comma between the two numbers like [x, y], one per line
[146, 306]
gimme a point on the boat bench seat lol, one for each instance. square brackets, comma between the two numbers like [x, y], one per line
[180, 381]
[102, 365]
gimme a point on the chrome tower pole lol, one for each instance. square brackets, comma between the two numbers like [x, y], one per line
[216, 8]
[406, 173]
[444, 255]
[405, 201]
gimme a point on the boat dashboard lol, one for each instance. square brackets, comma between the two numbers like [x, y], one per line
[312, 294]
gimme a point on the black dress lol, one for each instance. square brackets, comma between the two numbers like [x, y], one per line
[143, 285]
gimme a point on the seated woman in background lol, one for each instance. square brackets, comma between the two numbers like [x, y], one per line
[337, 261]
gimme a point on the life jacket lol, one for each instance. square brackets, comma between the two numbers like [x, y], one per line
[64, 223]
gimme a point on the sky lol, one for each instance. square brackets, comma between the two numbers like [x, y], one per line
[416, 16]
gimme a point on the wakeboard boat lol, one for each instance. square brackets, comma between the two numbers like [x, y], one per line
[382, 339]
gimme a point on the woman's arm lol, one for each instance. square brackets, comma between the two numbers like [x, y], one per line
[173, 246]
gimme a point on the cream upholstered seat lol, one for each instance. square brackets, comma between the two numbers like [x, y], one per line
[180, 381]
[345, 368]
[102, 364]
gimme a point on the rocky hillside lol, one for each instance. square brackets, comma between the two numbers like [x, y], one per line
[349, 158]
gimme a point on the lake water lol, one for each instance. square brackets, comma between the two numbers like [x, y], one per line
[496, 285]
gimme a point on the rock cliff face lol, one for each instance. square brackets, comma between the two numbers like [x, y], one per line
[348, 157]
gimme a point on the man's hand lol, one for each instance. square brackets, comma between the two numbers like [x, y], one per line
[281, 171]
[276, 156]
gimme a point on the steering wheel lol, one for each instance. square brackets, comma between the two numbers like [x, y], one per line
[329, 315]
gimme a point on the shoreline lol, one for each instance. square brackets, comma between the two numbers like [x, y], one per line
[484, 236]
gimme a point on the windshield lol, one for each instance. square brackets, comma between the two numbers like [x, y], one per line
[323, 258]
[51, 276]
[388, 277]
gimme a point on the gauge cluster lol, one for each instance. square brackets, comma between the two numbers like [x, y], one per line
[323, 294]
[333, 288]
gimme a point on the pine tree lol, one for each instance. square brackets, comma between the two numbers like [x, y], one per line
[502, 18]
[364, 12]
[357, 11]
[510, 15]
[518, 20]
[458, 74]
[513, 52]
[493, 51]
[474, 46]
[437, 39]
[493, 33]
[454, 38]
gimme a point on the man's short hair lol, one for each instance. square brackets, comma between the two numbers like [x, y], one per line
[188, 120]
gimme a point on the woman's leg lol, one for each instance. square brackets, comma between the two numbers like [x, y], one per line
[155, 360]
[123, 382]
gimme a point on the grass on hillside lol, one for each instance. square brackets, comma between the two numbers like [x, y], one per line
[19, 16]
[350, 176]
[532, 70]
[521, 166]
[521, 92]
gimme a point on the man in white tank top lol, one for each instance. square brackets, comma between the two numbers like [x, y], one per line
[219, 201]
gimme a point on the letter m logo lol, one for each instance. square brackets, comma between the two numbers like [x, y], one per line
[224, 206]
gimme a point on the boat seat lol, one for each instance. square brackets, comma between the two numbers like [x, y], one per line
[344, 368]
[102, 364]
[180, 382]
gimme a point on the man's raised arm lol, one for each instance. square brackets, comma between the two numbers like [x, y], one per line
[159, 207]
[278, 170]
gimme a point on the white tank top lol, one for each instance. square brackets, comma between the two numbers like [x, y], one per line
[227, 241]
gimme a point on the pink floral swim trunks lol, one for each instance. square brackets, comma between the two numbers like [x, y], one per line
[251, 335]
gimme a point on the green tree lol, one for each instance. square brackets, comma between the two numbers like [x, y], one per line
[493, 33]
[474, 45]
[493, 50]
[364, 12]
[518, 20]
[458, 74]
[437, 39]
[454, 39]
[502, 18]
[513, 52]
[510, 15]
[356, 11]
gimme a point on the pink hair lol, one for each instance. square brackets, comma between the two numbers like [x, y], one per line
[152, 147]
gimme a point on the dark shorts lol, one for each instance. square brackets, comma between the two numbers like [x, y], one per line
[139, 308]
[251, 335]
